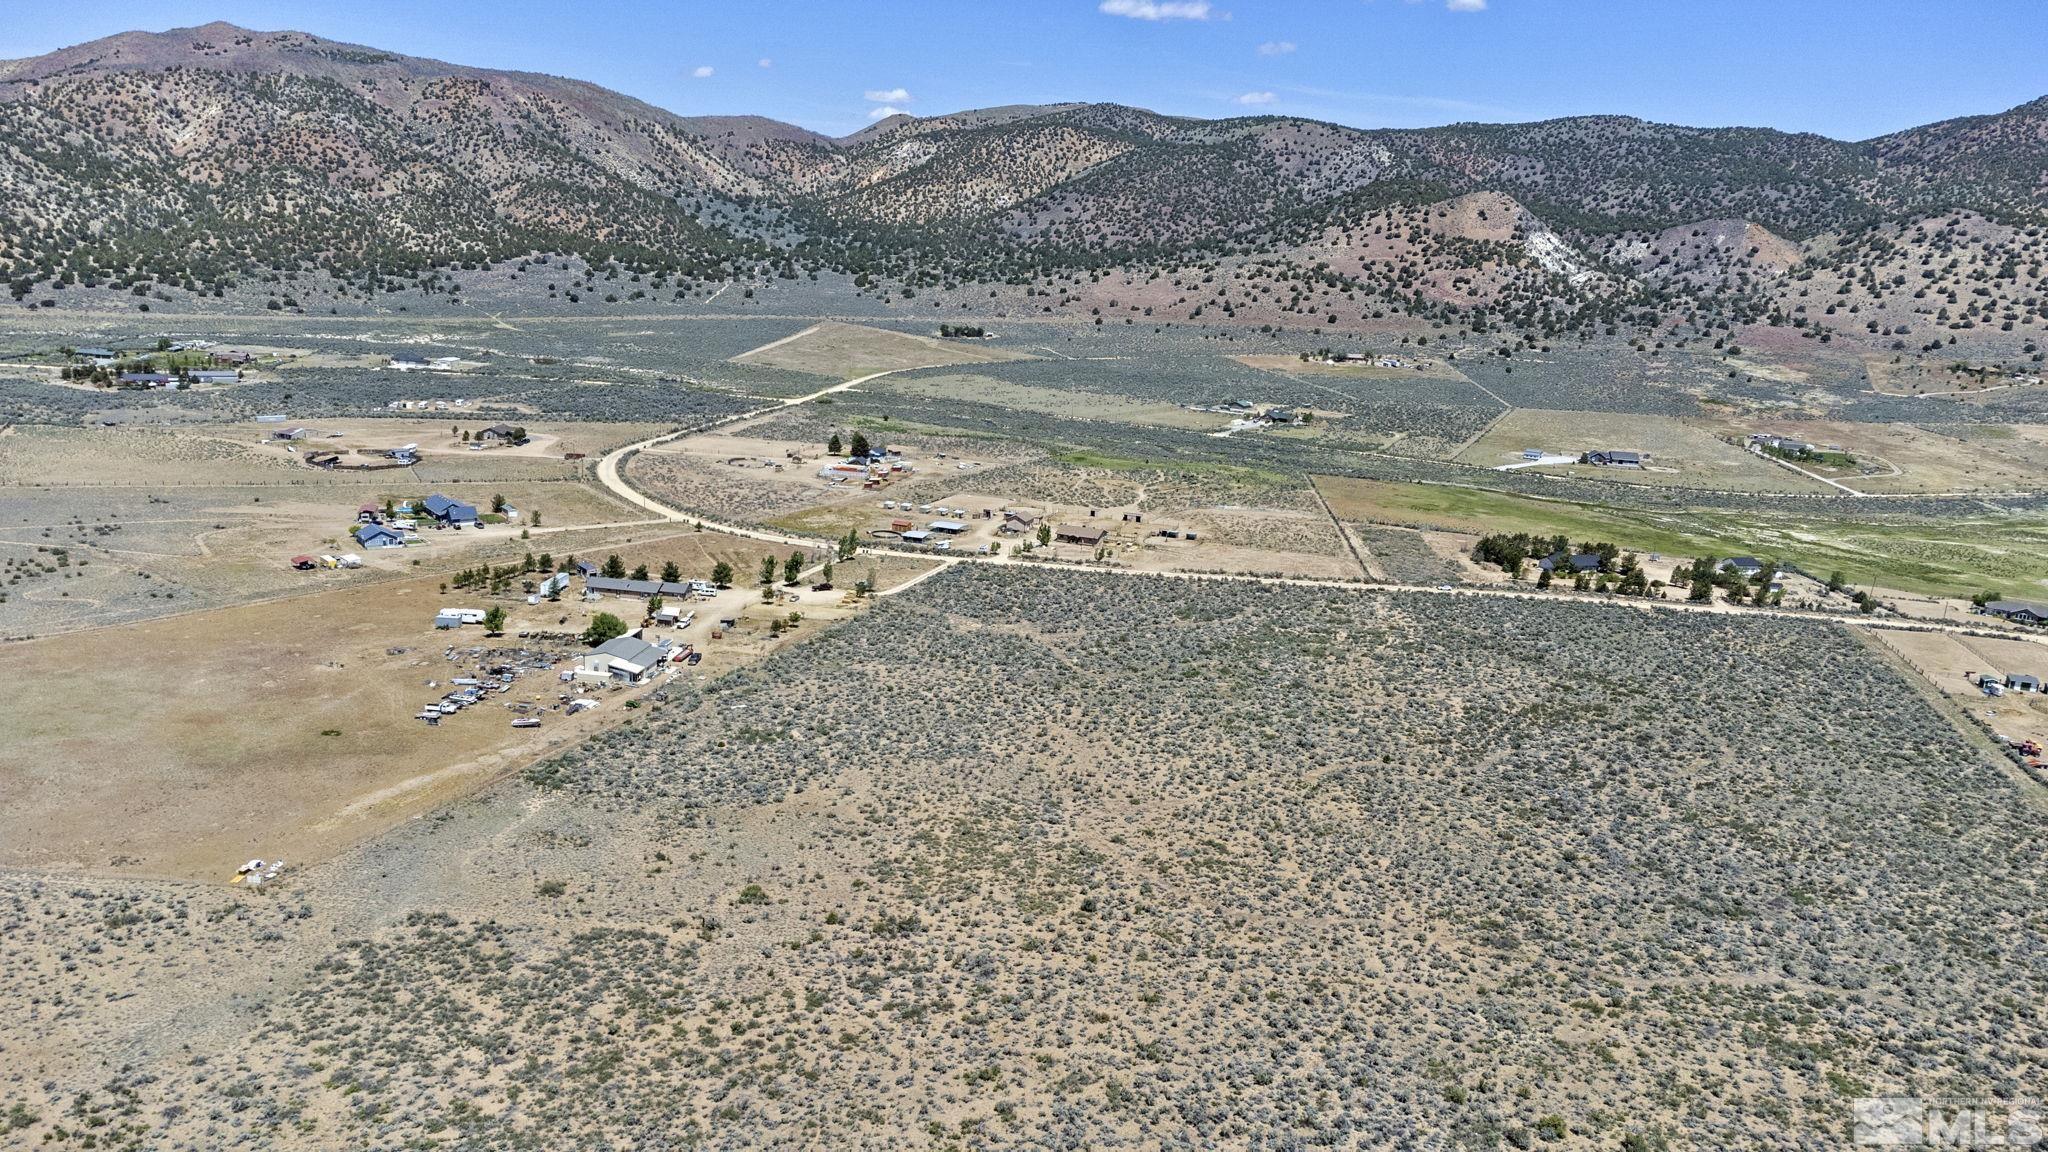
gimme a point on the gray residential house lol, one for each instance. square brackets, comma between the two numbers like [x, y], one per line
[1614, 458]
[2018, 611]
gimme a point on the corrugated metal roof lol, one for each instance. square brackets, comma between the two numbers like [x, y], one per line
[632, 650]
[635, 587]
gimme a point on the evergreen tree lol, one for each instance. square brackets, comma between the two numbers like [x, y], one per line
[603, 626]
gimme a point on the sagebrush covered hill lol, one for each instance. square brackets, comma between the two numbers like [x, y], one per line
[187, 160]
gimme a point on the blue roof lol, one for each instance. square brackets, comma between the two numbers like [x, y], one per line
[371, 534]
[442, 508]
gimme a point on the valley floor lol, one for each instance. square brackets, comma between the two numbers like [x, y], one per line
[1241, 807]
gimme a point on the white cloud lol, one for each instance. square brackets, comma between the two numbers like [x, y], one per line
[1257, 98]
[701, 71]
[1465, 5]
[884, 112]
[766, 62]
[886, 96]
[1157, 9]
[1276, 47]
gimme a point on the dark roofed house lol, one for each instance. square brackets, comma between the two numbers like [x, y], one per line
[1079, 534]
[1742, 565]
[1576, 562]
[1614, 458]
[2018, 611]
[449, 511]
[505, 432]
[94, 353]
[146, 379]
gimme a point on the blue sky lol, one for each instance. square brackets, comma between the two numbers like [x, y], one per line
[1845, 68]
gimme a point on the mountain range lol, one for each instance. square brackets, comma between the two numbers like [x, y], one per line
[190, 158]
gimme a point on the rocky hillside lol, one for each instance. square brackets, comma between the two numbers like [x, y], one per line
[188, 159]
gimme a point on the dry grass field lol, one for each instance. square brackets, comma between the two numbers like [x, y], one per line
[131, 552]
[1902, 458]
[211, 456]
[1074, 404]
[1951, 663]
[182, 746]
[1682, 452]
[1026, 857]
[848, 351]
[1934, 458]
